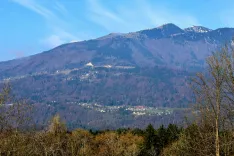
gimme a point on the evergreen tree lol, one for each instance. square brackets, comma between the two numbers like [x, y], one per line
[161, 139]
[149, 142]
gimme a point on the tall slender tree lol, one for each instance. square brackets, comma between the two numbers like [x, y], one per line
[214, 91]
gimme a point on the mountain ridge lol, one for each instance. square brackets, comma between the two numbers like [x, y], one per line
[161, 60]
[124, 34]
[139, 48]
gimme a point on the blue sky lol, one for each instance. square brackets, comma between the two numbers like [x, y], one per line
[31, 26]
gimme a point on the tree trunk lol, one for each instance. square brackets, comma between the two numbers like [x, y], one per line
[218, 102]
[217, 137]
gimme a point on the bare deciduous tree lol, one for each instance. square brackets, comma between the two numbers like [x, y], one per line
[214, 91]
[14, 113]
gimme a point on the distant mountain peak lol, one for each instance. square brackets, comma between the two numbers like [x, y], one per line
[111, 35]
[115, 34]
[165, 30]
[168, 25]
[197, 29]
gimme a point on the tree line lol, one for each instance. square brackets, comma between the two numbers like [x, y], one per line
[208, 131]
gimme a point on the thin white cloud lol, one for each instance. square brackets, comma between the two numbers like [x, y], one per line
[133, 16]
[32, 5]
[59, 7]
[158, 15]
[57, 39]
[159, 18]
[136, 15]
[104, 17]
[59, 28]
[53, 41]
[74, 41]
